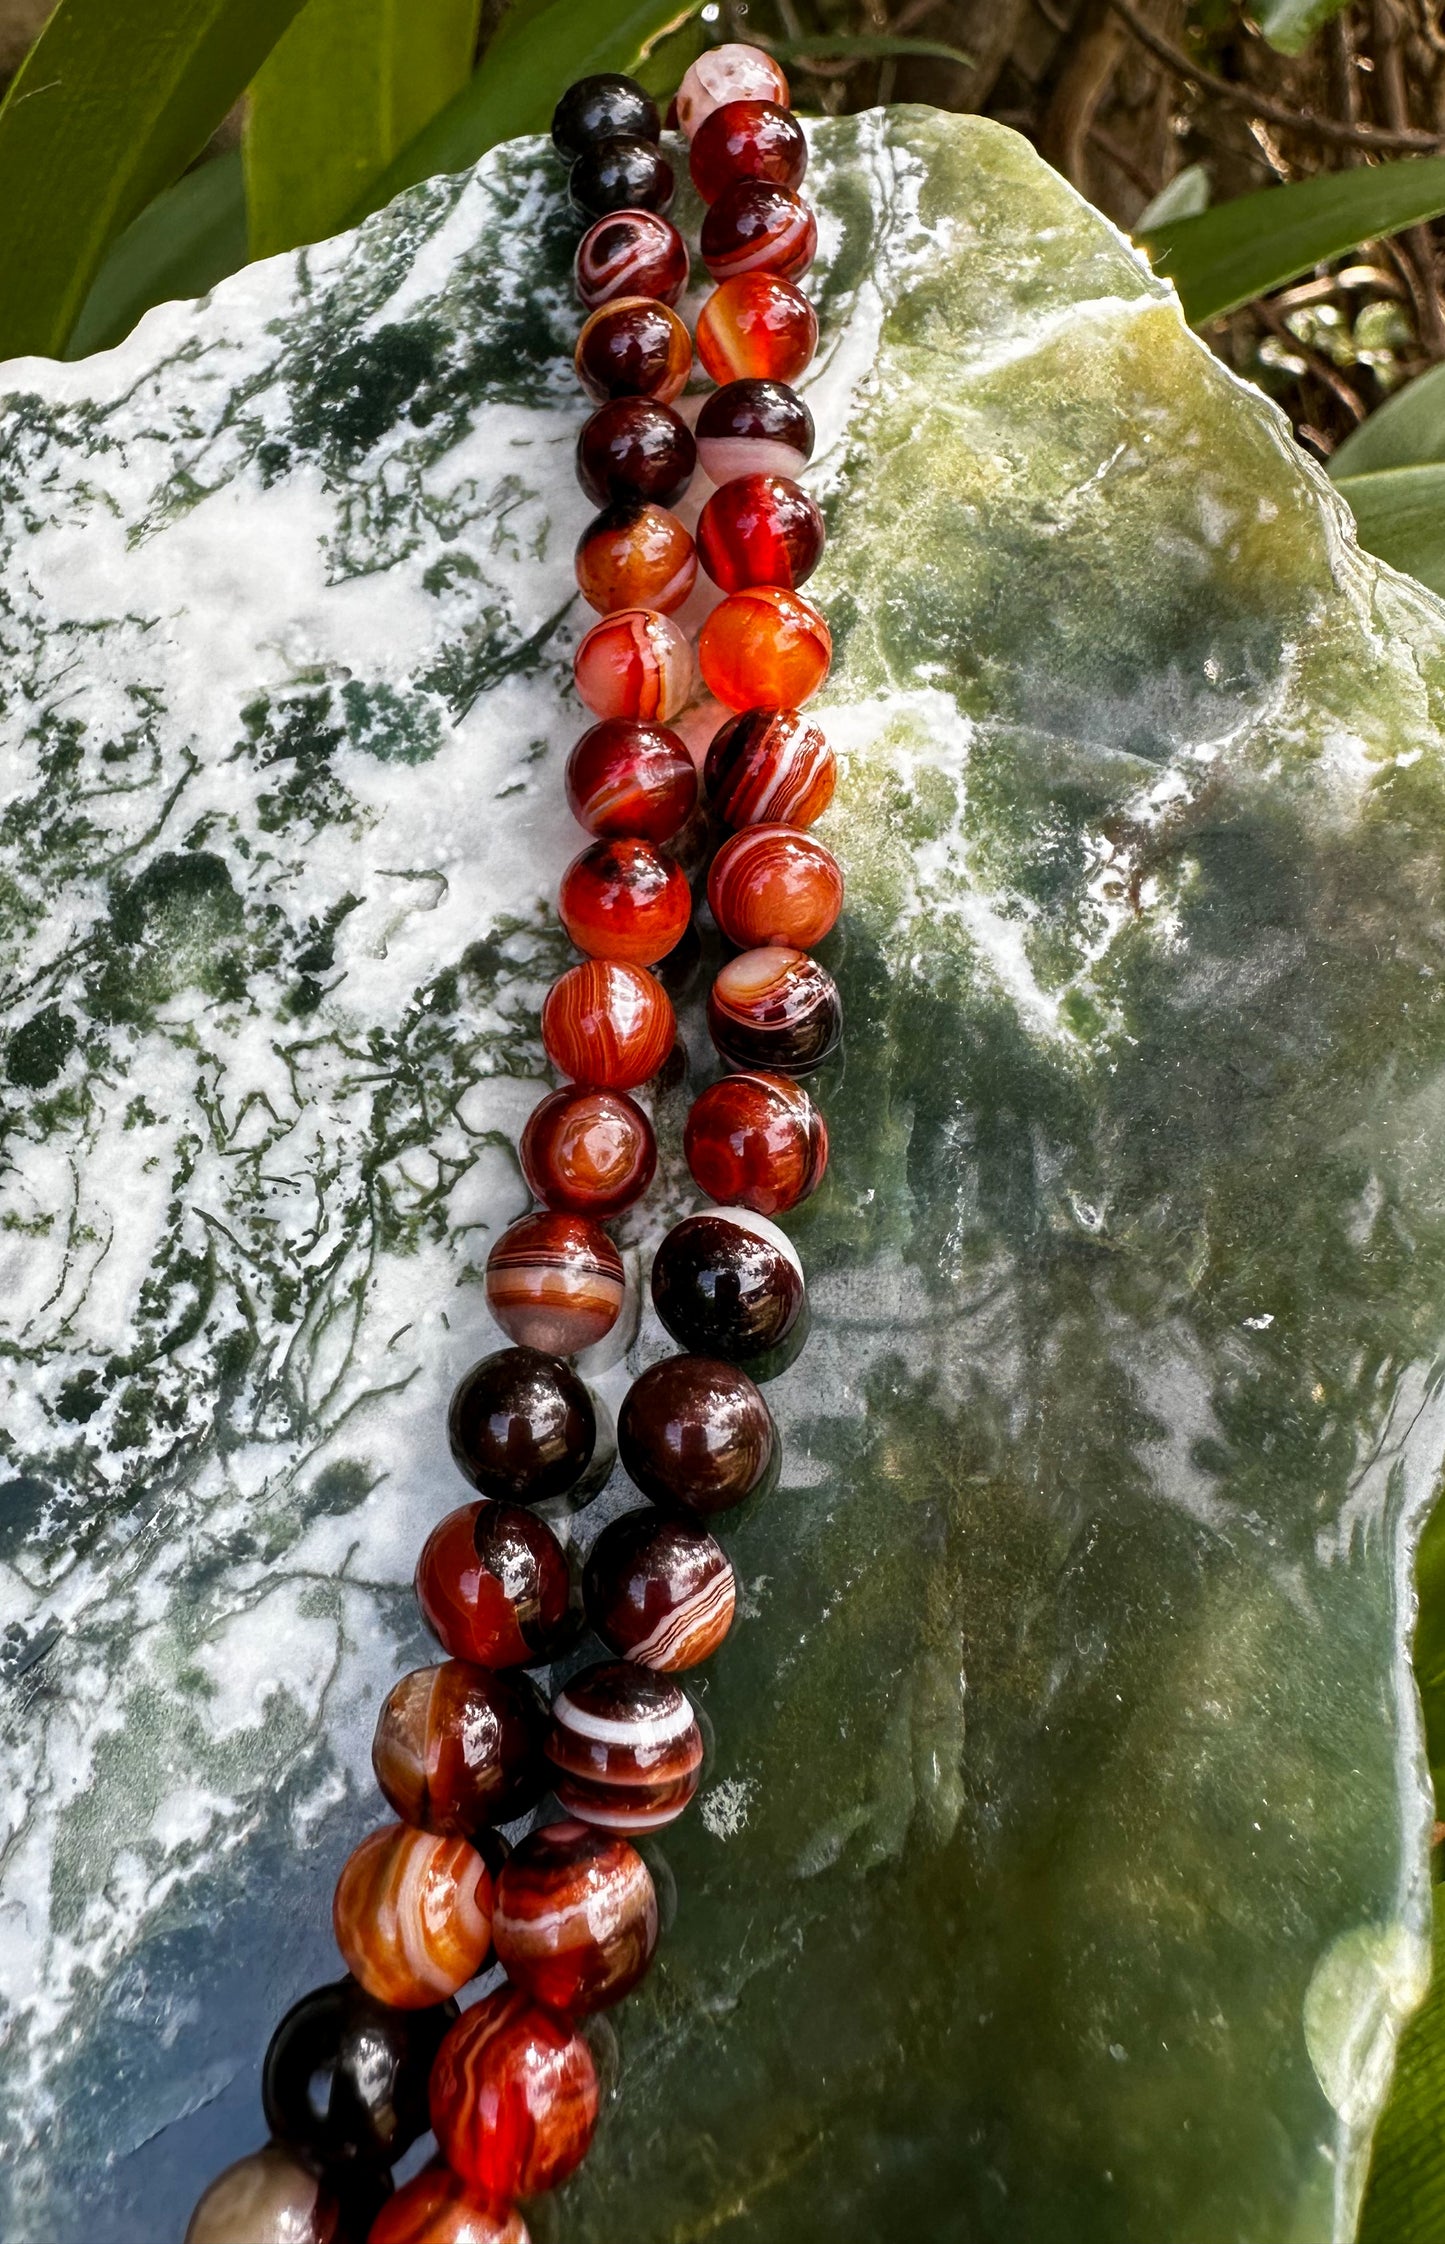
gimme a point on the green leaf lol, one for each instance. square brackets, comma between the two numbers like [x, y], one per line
[1245, 247]
[1185, 196]
[348, 86]
[189, 238]
[516, 86]
[1405, 2193]
[1430, 1641]
[864, 43]
[1401, 517]
[1406, 431]
[1289, 25]
[112, 103]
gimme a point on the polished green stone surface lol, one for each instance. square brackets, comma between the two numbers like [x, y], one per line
[1059, 1870]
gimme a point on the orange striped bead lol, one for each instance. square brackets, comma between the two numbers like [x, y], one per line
[555, 1282]
[513, 2096]
[765, 647]
[754, 326]
[607, 1025]
[413, 1915]
[635, 663]
[772, 884]
[659, 1591]
[635, 555]
[769, 767]
[438, 2208]
[576, 1920]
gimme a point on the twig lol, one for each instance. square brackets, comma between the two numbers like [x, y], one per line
[1120, 157]
[1318, 364]
[1419, 241]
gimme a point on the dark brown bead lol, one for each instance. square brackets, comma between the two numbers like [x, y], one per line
[728, 1283]
[623, 173]
[754, 427]
[635, 448]
[522, 1425]
[345, 2076]
[696, 1431]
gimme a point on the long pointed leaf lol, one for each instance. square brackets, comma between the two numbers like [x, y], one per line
[1401, 516]
[1406, 431]
[189, 238]
[1289, 25]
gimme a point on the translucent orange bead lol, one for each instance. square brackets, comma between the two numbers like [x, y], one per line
[773, 884]
[634, 347]
[636, 663]
[607, 1025]
[756, 325]
[636, 556]
[625, 899]
[413, 1915]
[764, 648]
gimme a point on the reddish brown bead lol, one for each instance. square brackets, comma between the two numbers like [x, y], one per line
[413, 1915]
[621, 173]
[458, 1747]
[555, 1282]
[630, 253]
[756, 326]
[659, 1590]
[754, 227]
[521, 1425]
[769, 767]
[513, 2097]
[635, 448]
[764, 647]
[625, 1747]
[493, 1586]
[634, 347]
[747, 139]
[576, 1918]
[635, 555]
[754, 428]
[724, 74]
[625, 899]
[773, 884]
[438, 2208]
[624, 777]
[608, 1025]
[269, 2197]
[726, 1282]
[760, 529]
[635, 663]
[589, 1153]
[696, 1431]
[756, 1141]
[775, 1009]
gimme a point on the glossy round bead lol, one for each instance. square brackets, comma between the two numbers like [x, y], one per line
[555, 1282]
[754, 428]
[769, 767]
[625, 899]
[756, 1141]
[760, 529]
[755, 227]
[747, 140]
[630, 253]
[589, 1153]
[521, 1426]
[756, 326]
[635, 555]
[271, 2198]
[494, 1587]
[635, 663]
[438, 2208]
[729, 73]
[696, 1431]
[629, 778]
[774, 884]
[659, 1590]
[608, 1026]
[635, 448]
[625, 1747]
[727, 1283]
[413, 1915]
[458, 1747]
[621, 174]
[576, 1918]
[633, 347]
[344, 2078]
[765, 646]
[776, 1009]
[513, 2096]
[600, 108]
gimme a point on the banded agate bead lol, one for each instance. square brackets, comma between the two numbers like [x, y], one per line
[513, 2096]
[625, 1747]
[755, 227]
[635, 663]
[696, 1431]
[412, 1915]
[659, 1590]
[576, 1918]
[589, 1153]
[630, 253]
[776, 1009]
[629, 778]
[344, 2078]
[635, 555]
[601, 107]
[760, 529]
[764, 646]
[769, 767]
[607, 1025]
[756, 326]
[727, 1282]
[458, 1747]
[624, 899]
[732, 72]
[756, 1141]
[773, 884]
[633, 347]
[438, 2208]
[747, 140]
[269, 2197]
[624, 173]
[635, 448]
[555, 1283]
[754, 428]
[521, 1425]
[494, 1587]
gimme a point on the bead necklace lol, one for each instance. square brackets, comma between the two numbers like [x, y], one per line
[357, 2071]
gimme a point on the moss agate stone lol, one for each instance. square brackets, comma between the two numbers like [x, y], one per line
[1060, 1869]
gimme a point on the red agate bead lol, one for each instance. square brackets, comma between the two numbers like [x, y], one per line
[437, 2207]
[590, 1153]
[625, 899]
[458, 1747]
[760, 529]
[576, 1917]
[635, 448]
[624, 777]
[625, 1747]
[725, 74]
[777, 1009]
[633, 347]
[754, 428]
[555, 1283]
[755, 227]
[756, 1141]
[765, 645]
[696, 1431]
[608, 1025]
[728, 1283]
[635, 663]
[756, 325]
[747, 140]
[494, 1587]
[769, 767]
[774, 884]
[521, 1425]
[635, 555]
[630, 253]
[659, 1590]
[513, 2096]
[413, 1915]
